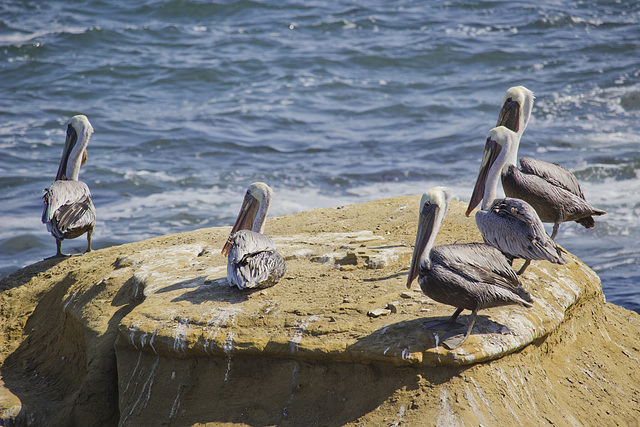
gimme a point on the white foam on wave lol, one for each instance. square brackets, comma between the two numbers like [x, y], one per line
[604, 109]
[22, 38]
[288, 200]
[619, 198]
[156, 177]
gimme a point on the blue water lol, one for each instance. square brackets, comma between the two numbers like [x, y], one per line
[330, 103]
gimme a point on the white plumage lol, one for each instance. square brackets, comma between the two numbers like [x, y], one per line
[552, 190]
[68, 209]
[470, 276]
[509, 224]
[253, 261]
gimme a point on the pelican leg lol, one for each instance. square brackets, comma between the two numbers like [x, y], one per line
[89, 233]
[440, 325]
[509, 259]
[524, 267]
[454, 341]
[452, 320]
[59, 253]
[556, 227]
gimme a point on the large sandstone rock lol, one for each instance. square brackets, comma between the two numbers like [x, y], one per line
[151, 334]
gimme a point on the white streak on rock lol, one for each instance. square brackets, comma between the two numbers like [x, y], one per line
[300, 326]
[181, 330]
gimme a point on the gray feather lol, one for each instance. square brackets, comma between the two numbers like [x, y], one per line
[472, 276]
[68, 209]
[553, 173]
[513, 226]
[253, 261]
[552, 203]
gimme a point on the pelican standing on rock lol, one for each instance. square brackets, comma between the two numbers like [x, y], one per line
[252, 258]
[68, 209]
[511, 225]
[468, 276]
[552, 190]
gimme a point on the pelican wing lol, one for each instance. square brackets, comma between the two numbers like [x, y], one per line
[245, 243]
[551, 202]
[67, 206]
[513, 226]
[481, 265]
[553, 173]
[253, 260]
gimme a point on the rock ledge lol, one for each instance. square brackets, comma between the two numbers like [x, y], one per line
[150, 333]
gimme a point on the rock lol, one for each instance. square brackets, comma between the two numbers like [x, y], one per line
[410, 294]
[393, 306]
[150, 333]
[379, 312]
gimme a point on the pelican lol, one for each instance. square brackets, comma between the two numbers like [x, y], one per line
[252, 258]
[68, 209]
[468, 276]
[511, 225]
[552, 190]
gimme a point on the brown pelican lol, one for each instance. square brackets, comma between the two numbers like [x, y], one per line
[468, 276]
[552, 190]
[511, 225]
[252, 258]
[68, 209]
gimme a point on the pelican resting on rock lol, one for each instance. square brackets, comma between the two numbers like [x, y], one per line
[468, 276]
[252, 258]
[511, 225]
[552, 190]
[68, 209]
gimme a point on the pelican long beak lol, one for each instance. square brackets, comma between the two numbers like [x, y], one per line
[491, 152]
[426, 222]
[69, 143]
[247, 215]
[509, 116]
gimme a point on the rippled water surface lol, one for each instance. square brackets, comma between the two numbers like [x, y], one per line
[329, 102]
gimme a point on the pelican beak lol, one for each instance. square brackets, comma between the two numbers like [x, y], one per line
[510, 115]
[425, 227]
[69, 143]
[491, 152]
[247, 215]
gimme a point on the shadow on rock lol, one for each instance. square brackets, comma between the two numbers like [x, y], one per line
[203, 289]
[24, 275]
[63, 372]
[399, 340]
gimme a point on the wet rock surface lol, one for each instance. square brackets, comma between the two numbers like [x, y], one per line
[150, 333]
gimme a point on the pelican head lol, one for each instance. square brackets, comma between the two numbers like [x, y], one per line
[253, 211]
[516, 109]
[74, 154]
[500, 140]
[434, 204]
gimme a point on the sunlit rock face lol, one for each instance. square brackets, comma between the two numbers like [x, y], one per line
[339, 339]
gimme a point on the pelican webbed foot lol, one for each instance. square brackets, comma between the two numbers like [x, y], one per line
[452, 340]
[57, 256]
[59, 253]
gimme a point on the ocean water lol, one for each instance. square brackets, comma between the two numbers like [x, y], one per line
[330, 103]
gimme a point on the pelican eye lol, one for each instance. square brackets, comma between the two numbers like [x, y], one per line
[510, 99]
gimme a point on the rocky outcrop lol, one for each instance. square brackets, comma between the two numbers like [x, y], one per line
[150, 333]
